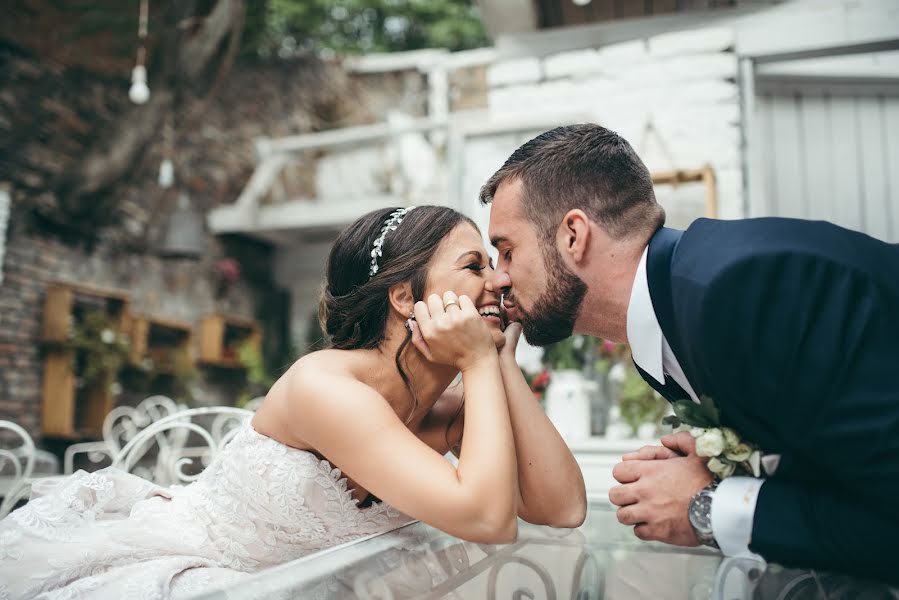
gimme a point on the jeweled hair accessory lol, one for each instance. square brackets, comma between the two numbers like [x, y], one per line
[396, 217]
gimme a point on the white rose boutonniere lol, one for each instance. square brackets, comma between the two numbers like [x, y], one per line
[710, 443]
[728, 454]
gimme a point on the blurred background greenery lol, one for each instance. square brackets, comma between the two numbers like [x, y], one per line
[283, 27]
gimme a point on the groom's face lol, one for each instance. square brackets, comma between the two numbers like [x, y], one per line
[539, 290]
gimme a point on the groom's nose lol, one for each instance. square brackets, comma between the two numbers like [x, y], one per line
[502, 281]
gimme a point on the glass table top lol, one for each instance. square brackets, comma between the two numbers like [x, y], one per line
[600, 559]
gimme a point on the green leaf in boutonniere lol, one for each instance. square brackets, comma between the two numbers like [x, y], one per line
[687, 412]
[727, 453]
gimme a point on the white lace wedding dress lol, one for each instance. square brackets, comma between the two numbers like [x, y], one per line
[110, 534]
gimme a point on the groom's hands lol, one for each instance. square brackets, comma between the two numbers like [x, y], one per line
[674, 445]
[657, 484]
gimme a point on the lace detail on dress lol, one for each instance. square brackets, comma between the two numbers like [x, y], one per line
[75, 504]
[111, 534]
[10, 545]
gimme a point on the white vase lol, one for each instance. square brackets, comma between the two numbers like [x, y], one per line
[568, 399]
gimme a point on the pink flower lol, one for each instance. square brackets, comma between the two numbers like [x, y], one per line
[227, 269]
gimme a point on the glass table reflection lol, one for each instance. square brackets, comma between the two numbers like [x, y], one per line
[601, 559]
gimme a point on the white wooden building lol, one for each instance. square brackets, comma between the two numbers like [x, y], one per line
[761, 108]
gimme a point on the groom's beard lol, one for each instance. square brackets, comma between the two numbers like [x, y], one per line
[552, 317]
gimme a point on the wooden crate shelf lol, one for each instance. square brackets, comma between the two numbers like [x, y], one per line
[160, 340]
[220, 337]
[60, 306]
[66, 411]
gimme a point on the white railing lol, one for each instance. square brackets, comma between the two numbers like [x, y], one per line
[356, 169]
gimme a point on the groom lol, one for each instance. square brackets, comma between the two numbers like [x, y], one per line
[790, 326]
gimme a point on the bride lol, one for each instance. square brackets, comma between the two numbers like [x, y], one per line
[350, 441]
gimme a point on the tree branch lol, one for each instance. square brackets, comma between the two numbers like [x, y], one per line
[203, 45]
[78, 189]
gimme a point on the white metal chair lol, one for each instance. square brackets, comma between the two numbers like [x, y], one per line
[120, 426]
[215, 426]
[17, 460]
[172, 459]
[254, 404]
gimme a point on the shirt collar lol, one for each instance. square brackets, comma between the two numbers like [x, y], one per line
[644, 334]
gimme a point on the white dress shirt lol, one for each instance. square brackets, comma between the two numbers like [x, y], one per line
[734, 504]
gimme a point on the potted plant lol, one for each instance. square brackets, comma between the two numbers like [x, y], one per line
[635, 409]
[571, 390]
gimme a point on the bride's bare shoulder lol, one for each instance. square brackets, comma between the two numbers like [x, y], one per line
[328, 359]
[322, 367]
[312, 381]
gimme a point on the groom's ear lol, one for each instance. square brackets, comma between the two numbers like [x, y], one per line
[573, 236]
[401, 298]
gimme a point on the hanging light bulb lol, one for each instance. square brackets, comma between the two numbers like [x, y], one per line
[166, 173]
[581, 2]
[167, 167]
[140, 92]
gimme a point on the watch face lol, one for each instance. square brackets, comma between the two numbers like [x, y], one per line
[700, 513]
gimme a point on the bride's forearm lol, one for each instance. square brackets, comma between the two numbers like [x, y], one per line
[487, 462]
[550, 481]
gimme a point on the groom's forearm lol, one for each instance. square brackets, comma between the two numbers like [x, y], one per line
[800, 526]
[550, 481]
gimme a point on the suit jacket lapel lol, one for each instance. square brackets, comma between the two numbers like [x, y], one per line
[671, 391]
[658, 272]
[662, 247]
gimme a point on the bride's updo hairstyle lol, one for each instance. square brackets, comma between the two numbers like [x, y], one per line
[354, 306]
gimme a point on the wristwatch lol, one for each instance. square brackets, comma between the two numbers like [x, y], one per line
[700, 515]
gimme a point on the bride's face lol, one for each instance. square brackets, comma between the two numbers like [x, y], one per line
[461, 264]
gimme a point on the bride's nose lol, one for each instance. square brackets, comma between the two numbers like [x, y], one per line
[490, 285]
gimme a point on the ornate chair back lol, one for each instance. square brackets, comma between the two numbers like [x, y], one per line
[121, 425]
[17, 461]
[254, 404]
[214, 426]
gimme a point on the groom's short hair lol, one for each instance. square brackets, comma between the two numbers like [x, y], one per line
[583, 166]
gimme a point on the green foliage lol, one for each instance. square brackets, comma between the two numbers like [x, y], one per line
[585, 353]
[687, 412]
[168, 370]
[250, 357]
[185, 374]
[573, 352]
[258, 378]
[638, 402]
[100, 348]
[282, 27]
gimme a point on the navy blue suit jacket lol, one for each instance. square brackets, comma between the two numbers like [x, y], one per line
[792, 328]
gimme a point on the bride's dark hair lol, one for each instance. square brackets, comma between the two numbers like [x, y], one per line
[354, 307]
